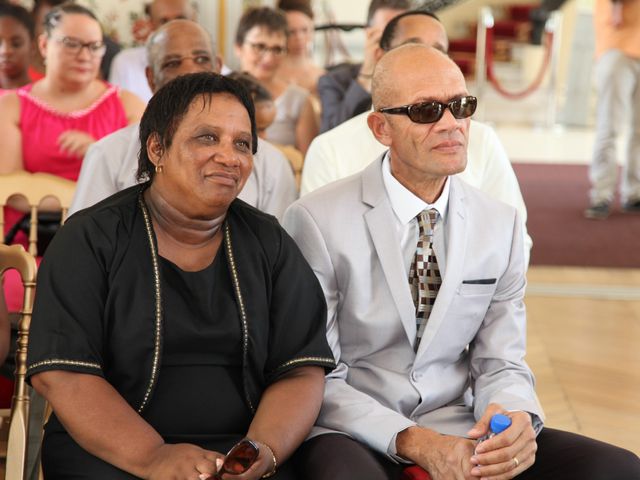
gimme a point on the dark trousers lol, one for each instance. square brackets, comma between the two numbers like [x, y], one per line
[561, 455]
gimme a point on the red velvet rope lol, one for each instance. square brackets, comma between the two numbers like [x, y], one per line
[536, 82]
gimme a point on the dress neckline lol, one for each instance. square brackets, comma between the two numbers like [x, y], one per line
[25, 92]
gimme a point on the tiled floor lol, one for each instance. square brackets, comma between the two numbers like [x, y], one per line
[583, 324]
[583, 349]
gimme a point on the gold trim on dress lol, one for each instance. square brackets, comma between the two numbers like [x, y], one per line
[60, 361]
[243, 313]
[295, 361]
[158, 296]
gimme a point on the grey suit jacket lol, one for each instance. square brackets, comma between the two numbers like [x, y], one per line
[472, 351]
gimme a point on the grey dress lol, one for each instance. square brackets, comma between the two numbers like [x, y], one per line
[288, 110]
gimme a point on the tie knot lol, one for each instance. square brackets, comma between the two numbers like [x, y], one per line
[427, 221]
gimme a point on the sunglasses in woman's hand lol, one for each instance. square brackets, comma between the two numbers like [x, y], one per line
[239, 459]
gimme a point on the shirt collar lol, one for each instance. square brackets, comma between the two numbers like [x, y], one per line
[404, 203]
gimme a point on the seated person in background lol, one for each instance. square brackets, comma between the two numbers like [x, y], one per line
[47, 126]
[176, 48]
[265, 114]
[425, 302]
[262, 100]
[298, 65]
[173, 320]
[261, 42]
[112, 49]
[350, 147]
[345, 91]
[39, 11]
[16, 46]
[128, 66]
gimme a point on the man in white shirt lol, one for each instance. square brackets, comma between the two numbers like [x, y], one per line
[128, 66]
[350, 147]
[177, 48]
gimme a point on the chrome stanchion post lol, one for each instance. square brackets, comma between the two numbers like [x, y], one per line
[554, 26]
[485, 20]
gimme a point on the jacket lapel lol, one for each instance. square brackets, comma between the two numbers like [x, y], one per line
[387, 245]
[454, 246]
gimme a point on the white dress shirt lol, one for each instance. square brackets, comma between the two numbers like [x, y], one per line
[128, 72]
[407, 207]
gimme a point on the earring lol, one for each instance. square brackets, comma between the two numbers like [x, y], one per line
[159, 168]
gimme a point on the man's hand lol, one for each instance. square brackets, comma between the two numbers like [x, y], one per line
[508, 453]
[444, 457]
[371, 47]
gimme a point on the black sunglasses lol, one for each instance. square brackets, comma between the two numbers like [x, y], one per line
[431, 112]
[239, 459]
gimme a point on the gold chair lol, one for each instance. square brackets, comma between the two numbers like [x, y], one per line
[296, 159]
[34, 188]
[15, 257]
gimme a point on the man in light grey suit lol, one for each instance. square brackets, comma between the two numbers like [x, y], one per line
[425, 395]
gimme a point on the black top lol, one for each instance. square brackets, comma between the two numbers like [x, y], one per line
[200, 380]
[102, 309]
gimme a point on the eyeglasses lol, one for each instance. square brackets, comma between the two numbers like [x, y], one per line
[75, 46]
[174, 62]
[431, 112]
[239, 459]
[262, 49]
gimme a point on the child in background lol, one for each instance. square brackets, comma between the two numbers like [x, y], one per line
[265, 114]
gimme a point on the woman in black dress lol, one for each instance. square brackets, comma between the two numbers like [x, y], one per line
[172, 319]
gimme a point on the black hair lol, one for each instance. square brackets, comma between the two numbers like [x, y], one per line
[258, 92]
[376, 5]
[53, 18]
[273, 20]
[20, 14]
[37, 4]
[168, 106]
[390, 30]
[302, 6]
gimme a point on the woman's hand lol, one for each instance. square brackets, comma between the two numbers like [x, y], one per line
[183, 461]
[75, 142]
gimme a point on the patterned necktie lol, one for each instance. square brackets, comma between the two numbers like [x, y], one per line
[424, 275]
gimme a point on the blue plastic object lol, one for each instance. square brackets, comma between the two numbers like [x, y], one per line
[499, 423]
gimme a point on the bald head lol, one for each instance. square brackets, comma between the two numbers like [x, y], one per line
[426, 131]
[415, 26]
[163, 11]
[177, 48]
[404, 73]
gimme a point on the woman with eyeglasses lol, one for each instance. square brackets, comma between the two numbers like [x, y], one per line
[261, 43]
[298, 65]
[47, 126]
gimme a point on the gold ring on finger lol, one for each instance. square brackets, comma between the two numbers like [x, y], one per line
[516, 462]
